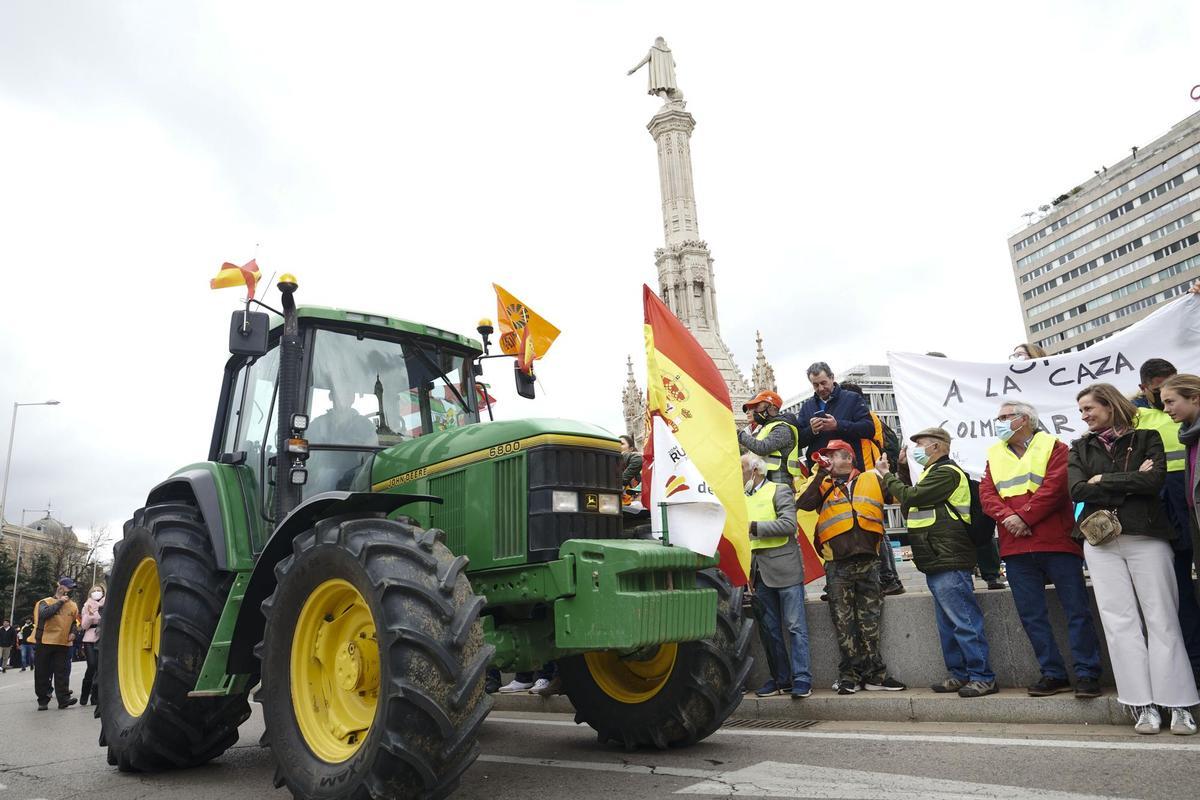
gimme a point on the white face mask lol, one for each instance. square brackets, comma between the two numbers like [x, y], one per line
[97, 595]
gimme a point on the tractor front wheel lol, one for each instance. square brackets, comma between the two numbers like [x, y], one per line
[373, 663]
[674, 695]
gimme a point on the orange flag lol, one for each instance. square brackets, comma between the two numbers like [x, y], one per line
[523, 333]
[246, 275]
[685, 388]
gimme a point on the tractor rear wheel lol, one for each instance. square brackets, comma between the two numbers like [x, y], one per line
[373, 663]
[676, 694]
[164, 600]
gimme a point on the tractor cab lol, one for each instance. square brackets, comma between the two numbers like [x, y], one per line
[367, 383]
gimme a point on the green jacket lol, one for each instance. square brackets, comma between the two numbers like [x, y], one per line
[944, 545]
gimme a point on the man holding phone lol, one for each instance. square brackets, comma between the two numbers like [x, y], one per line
[53, 621]
[832, 414]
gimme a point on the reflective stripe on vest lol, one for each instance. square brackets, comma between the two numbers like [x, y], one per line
[1151, 419]
[761, 508]
[960, 501]
[1014, 476]
[840, 513]
[772, 459]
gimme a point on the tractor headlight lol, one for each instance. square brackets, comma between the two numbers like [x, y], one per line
[565, 501]
[610, 504]
[299, 476]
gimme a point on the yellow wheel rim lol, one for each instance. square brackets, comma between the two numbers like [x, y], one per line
[335, 671]
[630, 681]
[140, 632]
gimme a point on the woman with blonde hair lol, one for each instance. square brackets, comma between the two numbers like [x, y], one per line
[89, 622]
[1117, 468]
[1180, 396]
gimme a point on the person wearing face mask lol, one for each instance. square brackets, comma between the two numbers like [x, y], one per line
[936, 508]
[1026, 352]
[1151, 416]
[53, 622]
[90, 622]
[1024, 488]
[771, 437]
[1120, 470]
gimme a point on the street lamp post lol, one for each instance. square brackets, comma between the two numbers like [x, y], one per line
[12, 432]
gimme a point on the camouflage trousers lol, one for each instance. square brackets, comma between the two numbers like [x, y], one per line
[856, 606]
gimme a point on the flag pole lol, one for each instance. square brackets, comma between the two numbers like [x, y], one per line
[666, 540]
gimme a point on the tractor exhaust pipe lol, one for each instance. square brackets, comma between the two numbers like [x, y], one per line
[287, 493]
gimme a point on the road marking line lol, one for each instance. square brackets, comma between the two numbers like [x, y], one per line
[989, 741]
[603, 766]
[776, 779]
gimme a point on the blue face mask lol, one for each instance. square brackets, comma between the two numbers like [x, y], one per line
[1004, 429]
[919, 455]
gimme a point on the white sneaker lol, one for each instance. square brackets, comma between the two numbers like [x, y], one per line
[1182, 722]
[1148, 720]
[515, 686]
[539, 686]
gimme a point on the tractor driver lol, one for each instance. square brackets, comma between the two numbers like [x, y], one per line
[341, 424]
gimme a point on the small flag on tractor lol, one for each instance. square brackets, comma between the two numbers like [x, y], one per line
[695, 517]
[246, 275]
[523, 333]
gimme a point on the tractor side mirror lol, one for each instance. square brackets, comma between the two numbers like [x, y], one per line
[524, 383]
[248, 333]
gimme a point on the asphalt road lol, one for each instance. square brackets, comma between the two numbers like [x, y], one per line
[53, 754]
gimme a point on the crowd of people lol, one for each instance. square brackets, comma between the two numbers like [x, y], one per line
[1121, 502]
[57, 633]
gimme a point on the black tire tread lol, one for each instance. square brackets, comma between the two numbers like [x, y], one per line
[175, 731]
[411, 568]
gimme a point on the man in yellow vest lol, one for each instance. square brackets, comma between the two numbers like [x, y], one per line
[1025, 489]
[54, 630]
[778, 578]
[1174, 496]
[936, 509]
[849, 533]
[771, 437]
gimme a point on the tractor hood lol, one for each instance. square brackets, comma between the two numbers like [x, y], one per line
[413, 460]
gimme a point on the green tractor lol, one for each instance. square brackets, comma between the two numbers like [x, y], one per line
[362, 548]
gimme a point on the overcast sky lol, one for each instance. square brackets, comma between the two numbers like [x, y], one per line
[856, 165]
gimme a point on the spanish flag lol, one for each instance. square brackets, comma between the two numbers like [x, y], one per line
[523, 333]
[247, 275]
[685, 389]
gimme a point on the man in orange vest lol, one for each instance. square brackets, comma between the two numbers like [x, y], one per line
[850, 527]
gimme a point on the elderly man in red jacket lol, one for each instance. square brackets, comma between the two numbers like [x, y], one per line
[1025, 490]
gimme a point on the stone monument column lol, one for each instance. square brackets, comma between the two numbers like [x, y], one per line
[685, 266]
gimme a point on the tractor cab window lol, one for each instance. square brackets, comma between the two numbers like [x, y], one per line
[367, 394]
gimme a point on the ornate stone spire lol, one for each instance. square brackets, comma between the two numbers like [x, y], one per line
[685, 266]
[633, 403]
[763, 374]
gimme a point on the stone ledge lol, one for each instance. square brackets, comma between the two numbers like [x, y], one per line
[913, 705]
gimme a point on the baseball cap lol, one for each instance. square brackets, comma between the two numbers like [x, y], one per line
[770, 397]
[67, 582]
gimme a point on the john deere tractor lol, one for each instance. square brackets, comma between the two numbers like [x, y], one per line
[360, 547]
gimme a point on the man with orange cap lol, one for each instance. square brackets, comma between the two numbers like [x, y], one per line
[771, 437]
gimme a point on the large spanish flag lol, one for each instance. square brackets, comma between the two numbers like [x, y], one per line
[685, 388]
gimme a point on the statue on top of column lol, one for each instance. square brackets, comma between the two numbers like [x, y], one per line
[661, 72]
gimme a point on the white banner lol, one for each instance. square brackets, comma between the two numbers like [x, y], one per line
[695, 517]
[964, 396]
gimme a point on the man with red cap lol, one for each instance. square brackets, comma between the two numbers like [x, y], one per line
[850, 527]
[771, 437]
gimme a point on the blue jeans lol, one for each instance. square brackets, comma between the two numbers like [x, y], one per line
[27, 656]
[960, 625]
[1027, 576]
[782, 609]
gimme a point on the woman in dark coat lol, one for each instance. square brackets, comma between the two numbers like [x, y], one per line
[1115, 467]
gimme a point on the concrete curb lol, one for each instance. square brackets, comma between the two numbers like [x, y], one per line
[1012, 706]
